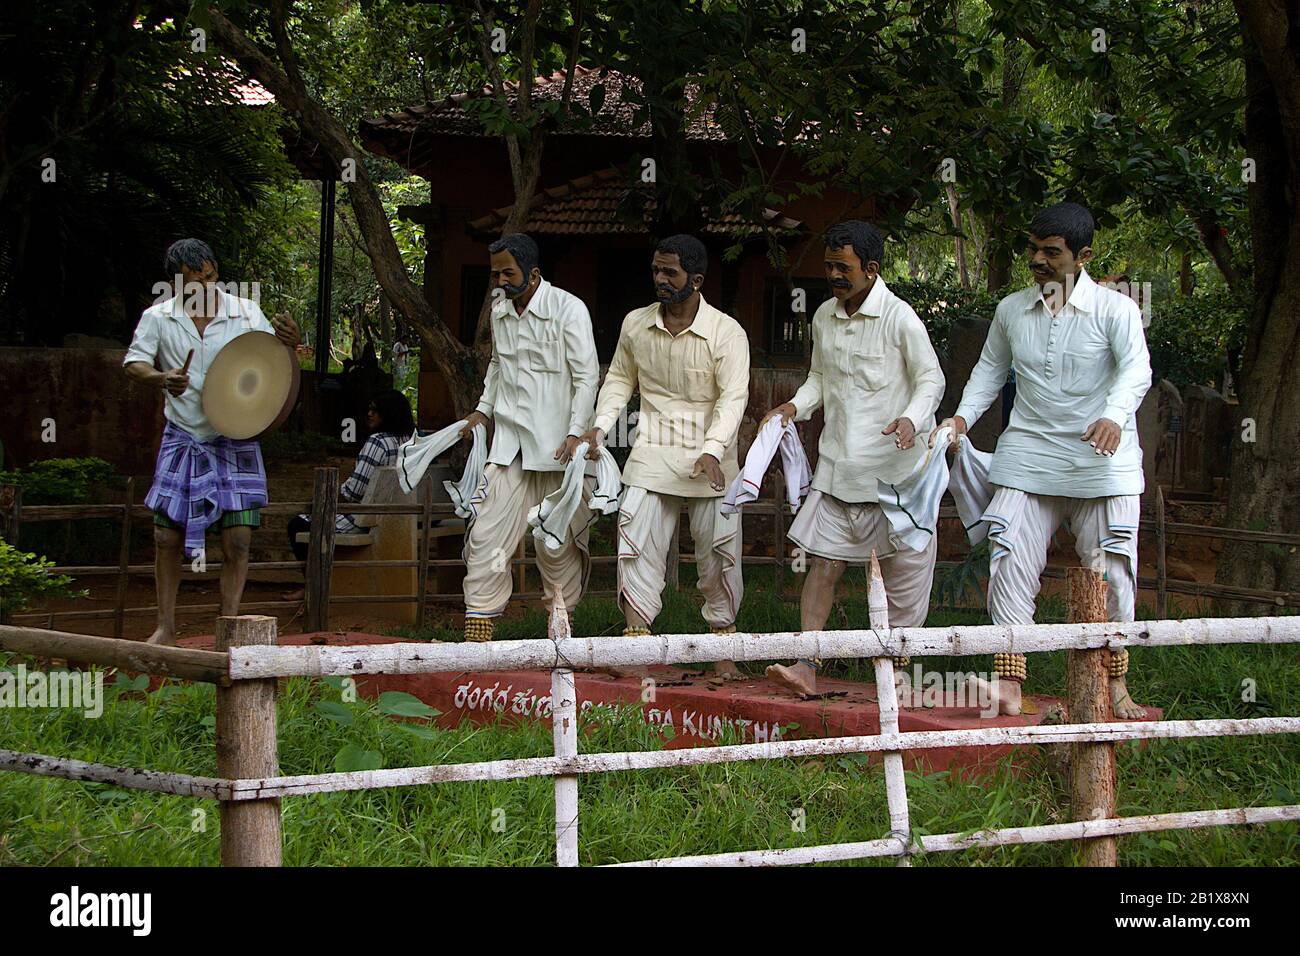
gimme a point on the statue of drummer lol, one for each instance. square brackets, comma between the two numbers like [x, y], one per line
[201, 478]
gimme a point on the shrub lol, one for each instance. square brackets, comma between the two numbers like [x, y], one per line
[24, 576]
[58, 481]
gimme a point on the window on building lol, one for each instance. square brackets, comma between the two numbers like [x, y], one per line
[788, 331]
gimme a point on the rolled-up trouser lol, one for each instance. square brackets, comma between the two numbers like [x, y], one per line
[646, 521]
[849, 531]
[502, 501]
[1021, 526]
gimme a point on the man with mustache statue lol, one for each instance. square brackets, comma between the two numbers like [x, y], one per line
[1070, 452]
[877, 377]
[691, 364]
[540, 388]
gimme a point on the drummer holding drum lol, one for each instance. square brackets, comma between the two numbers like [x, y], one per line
[202, 478]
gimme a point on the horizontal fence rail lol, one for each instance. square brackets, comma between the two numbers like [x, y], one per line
[957, 640]
[249, 665]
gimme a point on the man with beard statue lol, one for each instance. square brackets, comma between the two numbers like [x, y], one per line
[539, 391]
[691, 364]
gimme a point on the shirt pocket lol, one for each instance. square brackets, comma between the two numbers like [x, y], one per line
[869, 370]
[699, 385]
[1085, 366]
[544, 357]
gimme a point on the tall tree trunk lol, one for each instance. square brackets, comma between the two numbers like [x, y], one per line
[1265, 476]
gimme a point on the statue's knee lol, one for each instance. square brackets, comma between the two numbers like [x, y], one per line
[236, 542]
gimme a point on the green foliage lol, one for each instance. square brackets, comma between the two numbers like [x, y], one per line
[24, 576]
[58, 481]
[1189, 337]
[940, 305]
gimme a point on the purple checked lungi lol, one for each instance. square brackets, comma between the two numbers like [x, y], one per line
[195, 482]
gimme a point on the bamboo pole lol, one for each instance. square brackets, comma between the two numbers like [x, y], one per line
[1011, 836]
[887, 698]
[1162, 578]
[1092, 765]
[426, 519]
[778, 549]
[585, 652]
[182, 663]
[320, 549]
[520, 768]
[123, 560]
[564, 719]
[247, 747]
[180, 784]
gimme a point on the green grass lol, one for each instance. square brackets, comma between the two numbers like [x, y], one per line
[636, 815]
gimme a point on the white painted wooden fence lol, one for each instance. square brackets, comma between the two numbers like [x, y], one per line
[562, 654]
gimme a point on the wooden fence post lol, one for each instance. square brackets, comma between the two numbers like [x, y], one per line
[1162, 576]
[426, 534]
[675, 552]
[887, 700]
[123, 560]
[564, 719]
[11, 512]
[320, 549]
[1092, 765]
[778, 549]
[247, 747]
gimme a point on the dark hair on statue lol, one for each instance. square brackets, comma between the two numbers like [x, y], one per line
[394, 413]
[689, 250]
[191, 253]
[867, 242]
[1069, 220]
[522, 247]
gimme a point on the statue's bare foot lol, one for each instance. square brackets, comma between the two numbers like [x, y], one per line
[162, 635]
[724, 671]
[798, 678]
[1121, 703]
[1004, 695]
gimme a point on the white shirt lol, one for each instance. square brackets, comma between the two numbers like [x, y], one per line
[868, 369]
[541, 382]
[794, 465]
[1089, 361]
[694, 388]
[165, 335]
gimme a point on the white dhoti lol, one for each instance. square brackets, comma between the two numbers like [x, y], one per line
[502, 502]
[646, 521]
[1021, 526]
[846, 531]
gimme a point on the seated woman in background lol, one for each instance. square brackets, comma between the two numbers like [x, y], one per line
[390, 424]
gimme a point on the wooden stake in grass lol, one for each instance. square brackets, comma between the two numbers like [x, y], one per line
[247, 747]
[1092, 765]
[564, 718]
[887, 699]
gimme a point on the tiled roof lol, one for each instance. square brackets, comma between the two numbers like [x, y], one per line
[253, 93]
[614, 118]
[591, 205]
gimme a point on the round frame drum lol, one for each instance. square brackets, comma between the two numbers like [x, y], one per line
[251, 386]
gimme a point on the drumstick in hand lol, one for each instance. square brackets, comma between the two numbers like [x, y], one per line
[185, 369]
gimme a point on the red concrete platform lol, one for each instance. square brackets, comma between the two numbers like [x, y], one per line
[699, 712]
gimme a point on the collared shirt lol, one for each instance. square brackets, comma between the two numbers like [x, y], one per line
[165, 335]
[1088, 361]
[541, 382]
[868, 369]
[694, 389]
